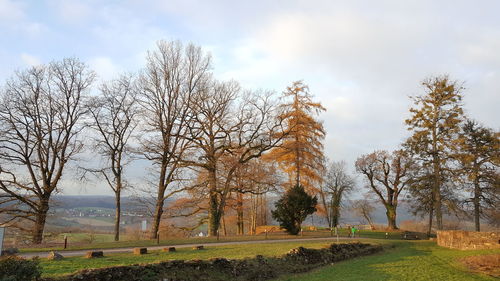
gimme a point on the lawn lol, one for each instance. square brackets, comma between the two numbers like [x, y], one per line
[418, 260]
[72, 264]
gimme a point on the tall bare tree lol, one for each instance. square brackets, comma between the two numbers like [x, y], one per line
[478, 152]
[387, 176]
[336, 184]
[435, 122]
[114, 119]
[228, 121]
[174, 74]
[40, 115]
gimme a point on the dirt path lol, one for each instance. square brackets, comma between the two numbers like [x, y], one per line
[152, 248]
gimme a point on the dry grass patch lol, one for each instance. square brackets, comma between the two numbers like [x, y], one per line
[486, 264]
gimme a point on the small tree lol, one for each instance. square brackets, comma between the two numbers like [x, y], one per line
[364, 208]
[336, 184]
[293, 208]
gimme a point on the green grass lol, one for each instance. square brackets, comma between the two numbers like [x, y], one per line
[402, 260]
[72, 264]
[78, 241]
[418, 260]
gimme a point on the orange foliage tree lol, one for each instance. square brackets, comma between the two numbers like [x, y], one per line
[300, 154]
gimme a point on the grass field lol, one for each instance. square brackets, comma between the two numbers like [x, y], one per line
[402, 260]
[417, 260]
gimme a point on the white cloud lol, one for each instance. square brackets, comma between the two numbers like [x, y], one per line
[72, 11]
[11, 11]
[104, 67]
[30, 60]
[361, 59]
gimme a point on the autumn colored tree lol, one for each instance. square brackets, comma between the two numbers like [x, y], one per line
[435, 123]
[336, 184]
[293, 208]
[387, 176]
[229, 121]
[252, 179]
[41, 112]
[478, 152]
[300, 154]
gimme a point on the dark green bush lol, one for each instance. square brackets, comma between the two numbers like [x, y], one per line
[293, 208]
[13, 268]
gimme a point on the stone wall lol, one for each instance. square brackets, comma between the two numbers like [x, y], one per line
[468, 240]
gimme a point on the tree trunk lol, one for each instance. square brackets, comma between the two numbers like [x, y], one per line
[335, 217]
[117, 214]
[160, 199]
[431, 214]
[438, 209]
[239, 211]
[263, 209]
[391, 217]
[223, 222]
[327, 208]
[297, 161]
[213, 216]
[253, 215]
[437, 188]
[156, 219]
[41, 217]
[477, 205]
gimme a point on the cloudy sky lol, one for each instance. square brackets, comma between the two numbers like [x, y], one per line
[361, 59]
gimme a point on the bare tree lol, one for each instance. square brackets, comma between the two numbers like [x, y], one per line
[336, 184]
[364, 208]
[387, 175]
[173, 75]
[39, 124]
[227, 122]
[114, 119]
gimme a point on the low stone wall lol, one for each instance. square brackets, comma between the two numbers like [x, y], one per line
[468, 240]
[253, 269]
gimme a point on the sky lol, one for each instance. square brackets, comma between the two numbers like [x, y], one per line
[361, 59]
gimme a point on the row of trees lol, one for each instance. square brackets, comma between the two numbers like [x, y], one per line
[215, 147]
[447, 158]
[204, 138]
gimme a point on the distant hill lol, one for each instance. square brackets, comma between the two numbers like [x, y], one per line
[95, 201]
